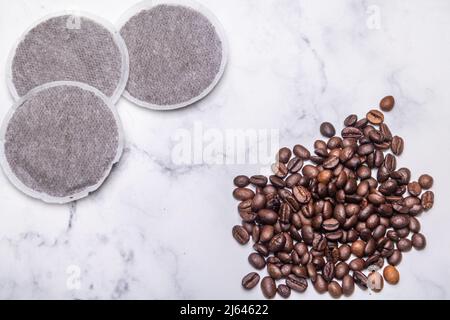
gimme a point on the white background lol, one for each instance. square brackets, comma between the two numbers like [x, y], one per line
[159, 230]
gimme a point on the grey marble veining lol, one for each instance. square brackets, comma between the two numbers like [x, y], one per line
[162, 230]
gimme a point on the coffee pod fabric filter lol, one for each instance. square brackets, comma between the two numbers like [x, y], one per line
[70, 47]
[178, 53]
[60, 141]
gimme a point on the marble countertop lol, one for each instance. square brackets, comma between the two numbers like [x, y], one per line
[161, 229]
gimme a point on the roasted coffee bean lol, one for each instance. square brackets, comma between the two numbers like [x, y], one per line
[335, 289]
[390, 162]
[268, 287]
[299, 271]
[361, 123]
[370, 247]
[357, 264]
[284, 155]
[391, 275]
[328, 271]
[334, 236]
[330, 224]
[312, 272]
[295, 164]
[375, 117]
[327, 129]
[258, 180]
[268, 216]
[320, 284]
[348, 285]
[358, 248]
[301, 194]
[262, 249]
[250, 280]
[404, 245]
[284, 291]
[241, 235]
[286, 270]
[256, 233]
[426, 181]
[397, 145]
[277, 181]
[402, 175]
[373, 221]
[360, 279]
[379, 232]
[334, 143]
[366, 149]
[298, 284]
[331, 162]
[414, 188]
[427, 200]
[376, 198]
[351, 132]
[399, 221]
[396, 258]
[301, 152]
[383, 174]
[341, 270]
[387, 103]
[344, 252]
[256, 260]
[373, 260]
[243, 194]
[293, 180]
[350, 120]
[277, 243]
[241, 181]
[414, 225]
[258, 202]
[274, 271]
[419, 241]
[266, 233]
[280, 169]
[384, 129]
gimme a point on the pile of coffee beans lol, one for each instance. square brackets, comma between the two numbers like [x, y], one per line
[334, 215]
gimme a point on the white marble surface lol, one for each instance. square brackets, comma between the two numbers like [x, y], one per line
[157, 230]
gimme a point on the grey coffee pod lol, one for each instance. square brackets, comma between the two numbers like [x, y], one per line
[60, 141]
[69, 47]
[178, 53]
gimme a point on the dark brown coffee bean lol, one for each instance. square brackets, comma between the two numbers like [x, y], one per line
[335, 289]
[375, 117]
[240, 234]
[268, 216]
[379, 232]
[396, 258]
[241, 181]
[258, 202]
[386, 132]
[284, 291]
[280, 169]
[250, 280]
[330, 224]
[274, 271]
[344, 252]
[331, 162]
[414, 225]
[350, 120]
[296, 283]
[310, 171]
[361, 123]
[341, 270]
[256, 260]
[376, 199]
[328, 271]
[419, 241]
[277, 181]
[325, 176]
[301, 194]
[301, 152]
[243, 194]
[256, 233]
[299, 271]
[390, 162]
[258, 180]
[426, 181]
[427, 200]
[312, 272]
[360, 279]
[266, 233]
[348, 285]
[295, 164]
[277, 243]
[320, 284]
[327, 129]
[286, 270]
[397, 145]
[262, 249]
[399, 221]
[351, 132]
[414, 188]
[402, 175]
[387, 103]
[284, 155]
[392, 234]
[268, 287]
[404, 245]
[293, 180]
[357, 264]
